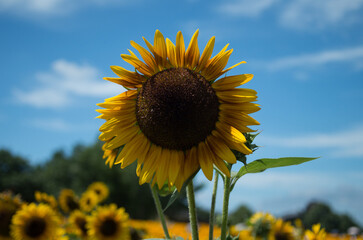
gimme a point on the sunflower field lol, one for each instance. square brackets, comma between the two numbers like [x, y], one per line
[87, 216]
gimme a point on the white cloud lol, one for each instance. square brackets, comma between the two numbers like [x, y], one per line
[246, 8]
[319, 14]
[346, 143]
[62, 83]
[313, 59]
[47, 8]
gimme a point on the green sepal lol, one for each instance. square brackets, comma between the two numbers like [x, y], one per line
[165, 190]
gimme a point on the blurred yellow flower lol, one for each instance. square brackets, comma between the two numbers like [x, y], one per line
[108, 223]
[68, 201]
[46, 199]
[36, 222]
[88, 201]
[78, 221]
[100, 189]
[9, 204]
[282, 230]
[317, 233]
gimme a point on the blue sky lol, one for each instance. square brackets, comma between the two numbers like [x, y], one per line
[306, 55]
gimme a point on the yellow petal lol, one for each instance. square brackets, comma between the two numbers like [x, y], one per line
[150, 164]
[162, 171]
[232, 137]
[219, 163]
[236, 123]
[192, 54]
[146, 56]
[205, 160]
[178, 159]
[220, 149]
[191, 164]
[123, 138]
[180, 50]
[230, 82]
[207, 53]
[160, 49]
[242, 107]
[130, 152]
[139, 65]
[171, 52]
[126, 74]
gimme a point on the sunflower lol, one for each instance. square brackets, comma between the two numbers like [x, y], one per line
[68, 201]
[36, 222]
[45, 198]
[262, 224]
[317, 233]
[88, 201]
[282, 230]
[78, 221]
[9, 204]
[108, 223]
[100, 189]
[175, 116]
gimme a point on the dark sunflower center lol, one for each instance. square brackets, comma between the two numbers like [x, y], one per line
[71, 203]
[35, 227]
[81, 223]
[108, 227]
[177, 109]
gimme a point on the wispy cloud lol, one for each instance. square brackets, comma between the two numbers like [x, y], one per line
[48, 8]
[319, 14]
[353, 54]
[298, 14]
[346, 143]
[62, 83]
[246, 8]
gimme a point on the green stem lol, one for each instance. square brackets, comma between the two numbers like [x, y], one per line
[227, 183]
[160, 211]
[192, 212]
[213, 206]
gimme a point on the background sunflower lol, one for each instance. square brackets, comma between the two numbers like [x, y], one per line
[108, 223]
[36, 222]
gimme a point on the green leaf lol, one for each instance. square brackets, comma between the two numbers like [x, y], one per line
[177, 193]
[261, 165]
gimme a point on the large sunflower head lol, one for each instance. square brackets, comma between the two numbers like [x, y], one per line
[68, 201]
[100, 189]
[9, 204]
[176, 116]
[88, 201]
[36, 222]
[108, 223]
[78, 221]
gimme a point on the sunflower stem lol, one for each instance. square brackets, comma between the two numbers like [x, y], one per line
[192, 211]
[160, 211]
[213, 205]
[227, 183]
